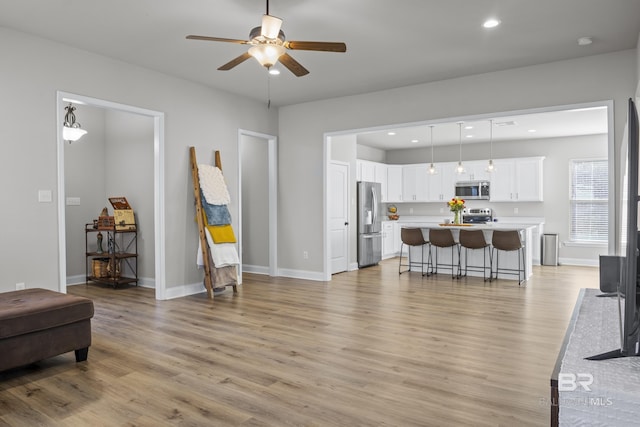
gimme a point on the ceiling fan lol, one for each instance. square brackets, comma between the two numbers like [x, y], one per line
[268, 46]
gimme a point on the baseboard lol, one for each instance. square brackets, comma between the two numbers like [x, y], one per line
[301, 274]
[579, 262]
[147, 282]
[255, 269]
[184, 290]
[81, 279]
[353, 266]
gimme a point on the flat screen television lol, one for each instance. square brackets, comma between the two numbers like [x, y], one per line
[630, 286]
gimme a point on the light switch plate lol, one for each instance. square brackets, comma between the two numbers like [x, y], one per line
[73, 201]
[44, 196]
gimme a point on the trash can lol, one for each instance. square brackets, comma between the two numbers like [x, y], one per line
[549, 249]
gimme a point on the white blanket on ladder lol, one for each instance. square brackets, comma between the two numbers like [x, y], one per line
[213, 185]
[223, 254]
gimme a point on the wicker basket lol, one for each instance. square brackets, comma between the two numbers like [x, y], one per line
[100, 267]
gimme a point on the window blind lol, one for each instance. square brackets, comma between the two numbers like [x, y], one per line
[589, 194]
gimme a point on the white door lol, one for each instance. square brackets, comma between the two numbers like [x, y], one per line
[339, 216]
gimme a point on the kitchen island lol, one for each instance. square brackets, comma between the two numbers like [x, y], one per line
[507, 259]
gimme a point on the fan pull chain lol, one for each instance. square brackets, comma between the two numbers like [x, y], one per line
[268, 91]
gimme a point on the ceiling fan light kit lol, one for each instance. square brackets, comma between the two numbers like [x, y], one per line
[267, 54]
[271, 27]
[268, 46]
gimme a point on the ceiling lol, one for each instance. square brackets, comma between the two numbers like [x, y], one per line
[548, 124]
[389, 43]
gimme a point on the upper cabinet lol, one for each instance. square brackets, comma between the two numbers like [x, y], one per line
[365, 171]
[442, 183]
[517, 180]
[380, 175]
[415, 186]
[373, 172]
[394, 183]
[476, 170]
[513, 180]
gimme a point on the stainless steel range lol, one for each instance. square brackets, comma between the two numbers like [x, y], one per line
[477, 216]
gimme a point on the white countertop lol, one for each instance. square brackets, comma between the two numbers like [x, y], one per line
[503, 223]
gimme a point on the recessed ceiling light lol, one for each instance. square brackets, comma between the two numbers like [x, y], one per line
[468, 127]
[531, 130]
[415, 141]
[391, 133]
[274, 71]
[491, 23]
[469, 136]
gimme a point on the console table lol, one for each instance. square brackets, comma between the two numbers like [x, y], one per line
[589, 392]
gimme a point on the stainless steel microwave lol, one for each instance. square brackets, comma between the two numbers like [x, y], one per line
[472, 190]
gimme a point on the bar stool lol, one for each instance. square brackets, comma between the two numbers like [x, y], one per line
[442, 238]
[413, 237]
[509, 241]
[474, 240]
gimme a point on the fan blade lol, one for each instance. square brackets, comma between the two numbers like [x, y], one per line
[319, 46]
[236, 61]
[216, 39]
[294, 66]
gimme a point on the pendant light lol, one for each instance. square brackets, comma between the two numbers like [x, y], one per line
[432, 167]
[71, 130]
[460, 168]
[490, 167]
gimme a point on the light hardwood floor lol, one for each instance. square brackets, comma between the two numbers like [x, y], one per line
[368, 348]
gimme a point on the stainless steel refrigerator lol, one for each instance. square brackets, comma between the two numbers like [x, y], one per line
[369, 224]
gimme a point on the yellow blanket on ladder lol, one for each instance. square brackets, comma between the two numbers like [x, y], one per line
[222, 233]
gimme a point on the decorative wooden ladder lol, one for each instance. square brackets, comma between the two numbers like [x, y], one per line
[206, 252]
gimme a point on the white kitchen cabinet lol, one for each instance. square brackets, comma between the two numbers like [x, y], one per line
[415, 186]
[388, 239]
[517, 180]
[373, 172]
[394, 183]
[380, 175]
[502, 185]
[442, 183]
[477, 170]
[396, 239]
[529, 179]
[365, 171]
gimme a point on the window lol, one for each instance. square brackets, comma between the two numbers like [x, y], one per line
[589, 200]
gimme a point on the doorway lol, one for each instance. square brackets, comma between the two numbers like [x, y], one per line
[63, 99]
[350, 137]
[258, 203]
[339, 181]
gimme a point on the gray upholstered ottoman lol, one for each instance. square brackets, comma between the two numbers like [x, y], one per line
[36, 324]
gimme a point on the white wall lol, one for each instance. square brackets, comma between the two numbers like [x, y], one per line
[33, 70]
[255, 204]
[369, 153]
[638, 66]
[302, 127]
[85, 179]
[129, 173]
